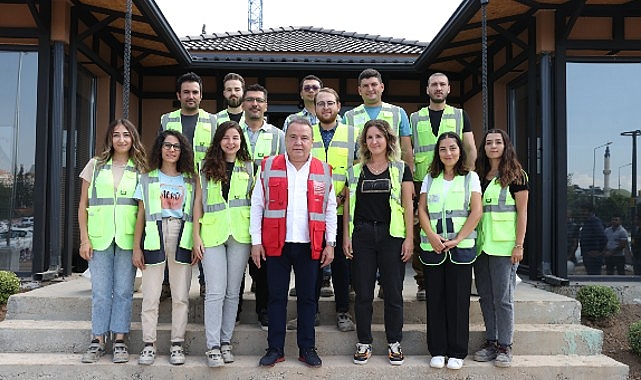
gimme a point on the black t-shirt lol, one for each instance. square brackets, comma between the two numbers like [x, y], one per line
[189, 126]
[225, 187]
[372, 195]
[435, 121]
[514, 188]
[235, 116]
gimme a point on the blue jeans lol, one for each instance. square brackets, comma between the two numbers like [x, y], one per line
[495, 278]
[112, 290]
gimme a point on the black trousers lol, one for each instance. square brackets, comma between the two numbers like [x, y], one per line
[375, 250]
[448, 288]
[340, 273]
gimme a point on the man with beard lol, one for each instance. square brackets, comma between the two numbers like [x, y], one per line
[233, 91]
[336, 144]
[198, 126]
[427, 124]
[263, 140]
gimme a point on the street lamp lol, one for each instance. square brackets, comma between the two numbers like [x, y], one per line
[594, 165]
[622, 166]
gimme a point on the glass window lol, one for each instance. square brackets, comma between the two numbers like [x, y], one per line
[19, 77]
[603, 113]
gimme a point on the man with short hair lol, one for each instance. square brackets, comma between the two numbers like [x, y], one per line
[308, 88]
[233, 92]
[615, 247]
[293, 224]
[263, 140]
[427, 124]
[198, 126]
[370, 88]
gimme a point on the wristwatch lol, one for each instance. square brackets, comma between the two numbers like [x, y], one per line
[331, 243]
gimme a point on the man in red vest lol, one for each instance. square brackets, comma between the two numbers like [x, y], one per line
[293, 224]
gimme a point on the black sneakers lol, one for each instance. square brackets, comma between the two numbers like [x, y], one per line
[310, 357]
[273, 356]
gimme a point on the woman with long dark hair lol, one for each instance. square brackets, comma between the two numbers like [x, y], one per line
[106, 219]
[500, 243]
[449, 209]
[221, 237]
[165, 202]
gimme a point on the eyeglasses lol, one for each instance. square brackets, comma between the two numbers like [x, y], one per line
[325, 104]
[168, 146]
[309, 88]
[257, 100]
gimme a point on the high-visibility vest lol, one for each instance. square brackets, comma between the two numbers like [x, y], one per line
[111, 216]
[397, 220]
[267, 144]
[304, 113]
[274, 182]
[424, 140]
[339, 154]
[203, 133]
[448, 213]
[223, 116]
[358, 116]
[497, 228]
[231, 217]
[153, 249]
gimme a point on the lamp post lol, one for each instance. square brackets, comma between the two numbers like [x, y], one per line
[594, 166]
[633, 195]
[622, 166]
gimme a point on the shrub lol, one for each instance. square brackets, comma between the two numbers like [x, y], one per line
[598, 302]
[634, 337]
[9, 284]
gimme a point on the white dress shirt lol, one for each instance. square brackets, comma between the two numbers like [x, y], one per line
[297, 222]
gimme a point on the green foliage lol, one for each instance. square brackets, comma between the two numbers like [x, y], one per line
[634, 337]
[598, 302]
[9, 284]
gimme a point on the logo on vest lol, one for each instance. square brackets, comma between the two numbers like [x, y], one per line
[319, 188]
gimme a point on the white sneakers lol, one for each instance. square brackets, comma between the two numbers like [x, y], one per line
[452, 363]
[437, 362]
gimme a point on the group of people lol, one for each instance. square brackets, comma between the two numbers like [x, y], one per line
[329, 192]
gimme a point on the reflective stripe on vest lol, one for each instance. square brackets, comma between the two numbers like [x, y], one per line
[203, 133]
[358, 116]
[339, 154]
[448, 221]
[424, 140]
[274, 178]
[111, 214]
[154, 251]
[497, 228]
[223, 116]
[224, 218]
[267, 144]
[397, 221]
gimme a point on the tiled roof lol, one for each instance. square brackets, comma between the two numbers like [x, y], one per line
[307, 40]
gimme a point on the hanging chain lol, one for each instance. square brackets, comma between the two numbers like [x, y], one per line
[126, 83]
[484, 62]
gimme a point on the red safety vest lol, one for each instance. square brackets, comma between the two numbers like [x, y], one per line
[274, 180]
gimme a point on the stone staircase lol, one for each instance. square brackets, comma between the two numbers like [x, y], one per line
[47, 330]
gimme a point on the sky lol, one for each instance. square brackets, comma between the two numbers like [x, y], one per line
[410, 19]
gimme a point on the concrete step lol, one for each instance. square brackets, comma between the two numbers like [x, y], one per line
[71, 301]
[73, 337]
[68, 367]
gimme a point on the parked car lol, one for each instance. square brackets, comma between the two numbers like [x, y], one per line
[21, 239]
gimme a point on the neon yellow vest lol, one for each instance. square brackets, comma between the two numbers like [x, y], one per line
[154, 251]
[224, 218]
[397, 222]
[112, 216]
[267, 144]
[223, 116]
[424, 140]
[497, 229]
[339, 154]
[448, 212]
[203, 133]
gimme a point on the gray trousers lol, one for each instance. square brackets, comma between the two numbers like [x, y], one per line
[495, 278]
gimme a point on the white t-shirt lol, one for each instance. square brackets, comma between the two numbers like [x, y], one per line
[172, 195]
[117, 172]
